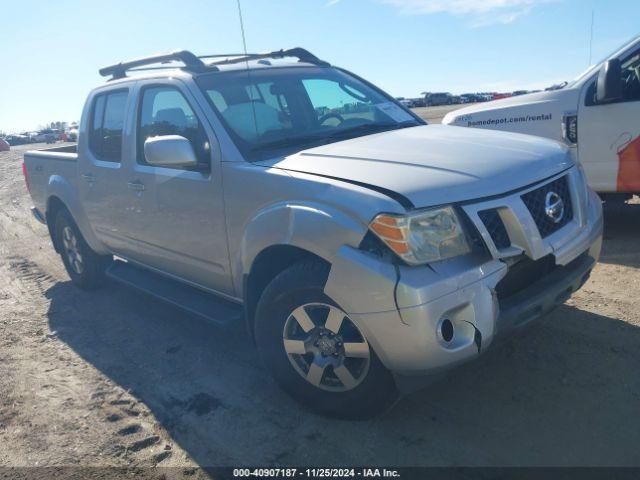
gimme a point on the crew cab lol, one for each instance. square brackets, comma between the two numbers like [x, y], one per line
[597, 114]
[361, 246]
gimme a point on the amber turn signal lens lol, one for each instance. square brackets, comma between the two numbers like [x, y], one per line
[386, 220]
[391, 231]
[400, 248]
[386, 231]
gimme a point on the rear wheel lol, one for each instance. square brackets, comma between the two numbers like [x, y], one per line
[316, 352]
[85, 267]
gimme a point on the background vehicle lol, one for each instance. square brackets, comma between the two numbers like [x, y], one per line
[469, 98]
[360, 245]
[4, 146]
[53, 136]
[72, 134]
[16, 140]
[435, 99]
[41, 135]
[598, 114]
[48, 135]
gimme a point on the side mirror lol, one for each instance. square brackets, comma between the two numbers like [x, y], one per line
[170, 151]
[609, 84]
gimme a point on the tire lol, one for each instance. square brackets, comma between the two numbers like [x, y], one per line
[369, 389]
[85, 267]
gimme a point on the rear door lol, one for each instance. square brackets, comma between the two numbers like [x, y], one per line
[175, 220]
[609, 134]
[100, 165]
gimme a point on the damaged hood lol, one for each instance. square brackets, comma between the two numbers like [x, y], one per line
[435, 164]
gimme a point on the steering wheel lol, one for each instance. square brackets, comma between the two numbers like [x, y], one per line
[329, 115]
[631, 84]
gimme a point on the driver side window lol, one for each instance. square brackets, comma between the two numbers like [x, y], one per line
[630, 79]
[165, 111]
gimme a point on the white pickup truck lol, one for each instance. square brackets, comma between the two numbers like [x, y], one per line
[597, 114]
[359, 245]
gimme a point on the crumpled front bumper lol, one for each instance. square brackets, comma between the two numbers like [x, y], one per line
[400, 309]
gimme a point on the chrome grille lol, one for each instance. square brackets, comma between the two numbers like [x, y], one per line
[535, 202]
[495, 226]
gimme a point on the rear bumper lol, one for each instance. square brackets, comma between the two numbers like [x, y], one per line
[401, 311]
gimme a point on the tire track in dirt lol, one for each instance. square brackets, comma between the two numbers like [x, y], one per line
[35, 279]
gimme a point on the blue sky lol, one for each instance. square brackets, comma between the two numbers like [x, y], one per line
[50, 51]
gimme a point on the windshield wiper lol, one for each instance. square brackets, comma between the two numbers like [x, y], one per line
[325, 137]
[289, 142]
[558, 86]
[372, 128]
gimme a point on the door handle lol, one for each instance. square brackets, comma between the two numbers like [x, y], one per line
[136, 186]
[89, 177]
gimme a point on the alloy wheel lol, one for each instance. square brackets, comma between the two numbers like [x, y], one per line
[72, 251]
[326, 347]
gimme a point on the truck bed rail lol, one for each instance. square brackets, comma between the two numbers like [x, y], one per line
[64, 152]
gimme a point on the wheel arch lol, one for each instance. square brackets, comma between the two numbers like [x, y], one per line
[270, 262]
[284, 233]
[62, 195]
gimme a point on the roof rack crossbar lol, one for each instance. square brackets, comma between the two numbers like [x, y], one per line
[301, 54]
[223, 55]
[191, 63]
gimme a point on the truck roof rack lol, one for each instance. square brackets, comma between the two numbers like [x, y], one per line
[193, 63]
[301, 54]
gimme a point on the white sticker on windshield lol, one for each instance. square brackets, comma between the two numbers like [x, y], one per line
[395, 112]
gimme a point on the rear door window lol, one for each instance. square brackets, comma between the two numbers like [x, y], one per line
[107, 123]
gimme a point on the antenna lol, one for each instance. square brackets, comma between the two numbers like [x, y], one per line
[244, 45]
[591, 37]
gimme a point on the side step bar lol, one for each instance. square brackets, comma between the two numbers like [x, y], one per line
[194, 301]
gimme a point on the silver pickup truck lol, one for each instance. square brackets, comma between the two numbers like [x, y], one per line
[360, 245]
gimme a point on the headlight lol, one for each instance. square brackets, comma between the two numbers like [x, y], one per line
[422, 237]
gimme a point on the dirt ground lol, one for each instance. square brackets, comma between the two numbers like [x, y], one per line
[111, 378]
[435, 114]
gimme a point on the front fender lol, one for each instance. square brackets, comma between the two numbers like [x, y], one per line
[317, 228]
[60, 188]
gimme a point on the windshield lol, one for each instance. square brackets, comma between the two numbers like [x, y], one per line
[279, 110]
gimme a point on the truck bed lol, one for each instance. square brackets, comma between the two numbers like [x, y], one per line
[43, 165]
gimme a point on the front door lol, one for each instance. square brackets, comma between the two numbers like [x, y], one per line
[176, 217]
[609, 134]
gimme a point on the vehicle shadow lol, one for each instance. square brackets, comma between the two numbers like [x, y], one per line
[565, 392]
[622, 223]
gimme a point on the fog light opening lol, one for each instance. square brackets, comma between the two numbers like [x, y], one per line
[446, 330]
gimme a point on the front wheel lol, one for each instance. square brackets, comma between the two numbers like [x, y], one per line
[316, 353]
[85, 267]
